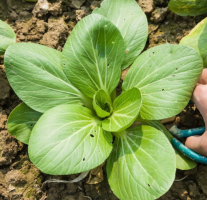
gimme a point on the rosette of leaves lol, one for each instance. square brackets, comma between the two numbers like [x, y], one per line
[72, 119]
[7, 36]
[188, 7]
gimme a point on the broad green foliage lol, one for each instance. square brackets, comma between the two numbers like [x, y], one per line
[68, 139]
[166, 76]
[132, 23]
[96, 50]
[182, 162]
[80, 121]
[198, 39]
[40, 83]
[7, 36]
[136, 168]
[125, 110]
[21, 122]
[188, 7]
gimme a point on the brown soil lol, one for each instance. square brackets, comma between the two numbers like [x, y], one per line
[19, 178]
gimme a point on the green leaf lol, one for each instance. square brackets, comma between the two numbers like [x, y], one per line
[132, 23]
[7, 36]
[21, 122]
[125, 110]
[35, 74]
[93, 54]
[197, 39]
[102, 104]
[166, 76]
[68, 139]
[188, 7]
[182, 161]
[141, 165]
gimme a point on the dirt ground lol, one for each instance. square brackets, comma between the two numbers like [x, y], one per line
[19, 178]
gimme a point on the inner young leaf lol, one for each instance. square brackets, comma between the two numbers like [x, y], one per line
[107, 107]
[125, 110]
[102, 104]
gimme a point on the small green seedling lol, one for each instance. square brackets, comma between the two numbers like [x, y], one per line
[72, 119]
[188, 7]
[7, 36]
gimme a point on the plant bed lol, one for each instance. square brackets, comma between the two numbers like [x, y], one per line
[87, 190]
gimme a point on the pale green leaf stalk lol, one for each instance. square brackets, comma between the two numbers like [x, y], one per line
[77, 119]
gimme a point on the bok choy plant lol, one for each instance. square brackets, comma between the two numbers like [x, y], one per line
[72, 119]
